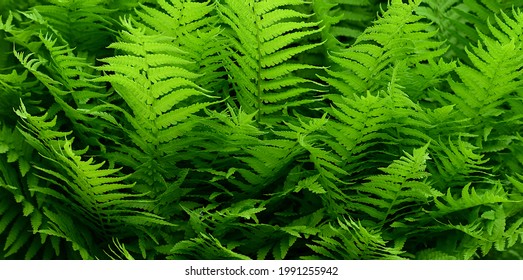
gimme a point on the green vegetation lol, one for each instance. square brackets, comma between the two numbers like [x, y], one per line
[261, 129]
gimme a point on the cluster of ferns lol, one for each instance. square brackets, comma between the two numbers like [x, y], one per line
[261, 129]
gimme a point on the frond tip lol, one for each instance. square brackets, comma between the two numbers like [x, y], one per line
[264, 41]
[398, 192]
[352, 241]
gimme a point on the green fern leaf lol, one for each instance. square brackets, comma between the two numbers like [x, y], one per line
[351, 240]
[469, 199]
[204, 247]
[398, 35]
[262, 53]
[394, 193]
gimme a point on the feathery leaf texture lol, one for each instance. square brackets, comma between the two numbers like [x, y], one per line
[398, 35]
[261, 129]
[399, 192]
[260, 60]
[97, 195]
[350, 240]
[153, 79]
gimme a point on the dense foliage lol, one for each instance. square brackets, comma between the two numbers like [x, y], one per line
[261, 129]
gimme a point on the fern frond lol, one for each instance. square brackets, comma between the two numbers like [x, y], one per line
[98, 195]
[62, 74]
[122, 252]
[204, 247]
[494, 77]
[397, 193]
[469, 198]
[266, 160]
[363, 125]
[192, 27]
[14, 226]
[85, 24]
[457, 163]
[458, 21]
[177, 18]
[282, 239]
[323, 169]
[352, 241]
[12, 144]
[262, 53]
[12, 86]
[253, 157]
[358, 124]
[154, 81]
[483, 227]
[452, 25]
[62, 227]
[325, 162]
[23, 217]
[398, 35]
[344, 21]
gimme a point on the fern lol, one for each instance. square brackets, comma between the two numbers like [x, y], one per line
[344, 21]
[481, 227]
[192, 27]
[358, 124]
[363, 125]
[494, 78]
[457, 164]
[204, 247]
[399, 35]
[54, 68]
[121, 253]
[351, 240]
[23, 218]
[260, 129]
[97, 195]
[152, 80]
[396, 194]
[262, 37]
[86, 24]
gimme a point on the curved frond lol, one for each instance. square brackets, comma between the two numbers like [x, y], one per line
[352, 241]
[153, 79]
[398, 35]
[204, 247]
[261, 54]
[98, 195]
[397, 193]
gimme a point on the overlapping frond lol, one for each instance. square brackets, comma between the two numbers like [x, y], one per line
[494, 78]
[254, 162]
[152, 77]
[357, 125]
[362, 126]
[87, 24]
[98, 195]
[457, 164]
[204, 247]
[398, 35]
[260, 57]
[458, 21]
[59, 75]
[344, 21]
[193, 27]
[349, 240]
[493, 75]
[479, 215]
[261, 129]
[19, 214]
[22, 214]
[398, 193]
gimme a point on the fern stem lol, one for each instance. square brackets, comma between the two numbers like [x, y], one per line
[258, 74]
